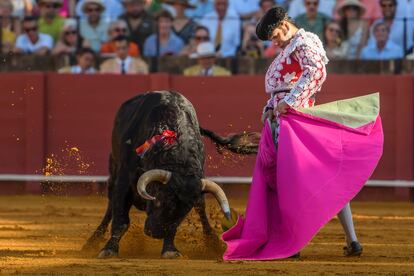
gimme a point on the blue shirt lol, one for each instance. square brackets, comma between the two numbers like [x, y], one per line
[390, 51]
[172, 47]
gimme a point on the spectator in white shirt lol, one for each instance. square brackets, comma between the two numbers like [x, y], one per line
[225, 28]
[297, 7]
[383, 49]
[33, 42]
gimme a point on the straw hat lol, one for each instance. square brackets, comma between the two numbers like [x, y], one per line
[350, 3]
[184, 3]
[204, 50]
[96, 2]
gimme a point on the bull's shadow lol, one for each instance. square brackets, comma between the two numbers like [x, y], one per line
[156, 165]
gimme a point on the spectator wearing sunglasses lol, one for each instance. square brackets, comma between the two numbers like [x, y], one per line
[69, 40]
[50, 22]
[312, 20]
[113, 9]
[335, 46]
[31, 41]
[139, 22]
[94, 28]
[201, 34]
[117, 28]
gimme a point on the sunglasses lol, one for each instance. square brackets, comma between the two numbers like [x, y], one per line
[90, 10]
[49, 6]
[120, 30]
[28, 30]
[202, 38]
[387, 5]
[70, 32]
[334, 30]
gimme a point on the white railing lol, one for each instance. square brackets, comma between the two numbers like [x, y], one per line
[218, 179]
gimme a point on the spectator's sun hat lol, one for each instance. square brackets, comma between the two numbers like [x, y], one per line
[350, 3]
[184, 3]
[96, 2]
[270, 21]
[70, 23]
[204, 50]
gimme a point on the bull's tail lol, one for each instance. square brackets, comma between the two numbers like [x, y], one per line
[242, 143]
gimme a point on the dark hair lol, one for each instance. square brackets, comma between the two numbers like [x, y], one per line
[262, 1]
[393, 1]
[120, 38]
[200, 27]
[164, 14]
[85, 50]
[29, 19]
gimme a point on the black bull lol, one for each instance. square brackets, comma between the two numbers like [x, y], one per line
[178, 165]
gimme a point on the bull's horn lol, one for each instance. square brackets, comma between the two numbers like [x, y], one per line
[217, 191]
[162, 176]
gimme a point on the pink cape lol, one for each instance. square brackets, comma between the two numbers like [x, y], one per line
[321, 165]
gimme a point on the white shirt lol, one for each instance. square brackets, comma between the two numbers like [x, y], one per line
[390, 51]
[243, 7]
[77, 70]
[127, 62]
[113, 9]
[297, 7]
[23, 43]
[230, 34]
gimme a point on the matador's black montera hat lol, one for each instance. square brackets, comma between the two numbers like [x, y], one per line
[270, 21]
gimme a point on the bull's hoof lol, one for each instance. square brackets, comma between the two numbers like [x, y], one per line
[171, 255]
[107, 253]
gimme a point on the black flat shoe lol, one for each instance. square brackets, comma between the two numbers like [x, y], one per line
[354, 249]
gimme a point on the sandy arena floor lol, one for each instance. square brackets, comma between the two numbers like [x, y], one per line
[43, 235]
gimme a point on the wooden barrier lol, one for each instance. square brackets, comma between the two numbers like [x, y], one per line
[46, 113]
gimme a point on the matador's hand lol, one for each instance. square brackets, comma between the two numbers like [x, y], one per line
[282, 107]
[267, 115]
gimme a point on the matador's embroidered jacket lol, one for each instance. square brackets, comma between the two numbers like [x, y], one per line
[298, 72]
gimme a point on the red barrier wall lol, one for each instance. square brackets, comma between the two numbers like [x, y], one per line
[42, 114]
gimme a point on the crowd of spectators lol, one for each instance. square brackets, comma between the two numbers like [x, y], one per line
[122, 32]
